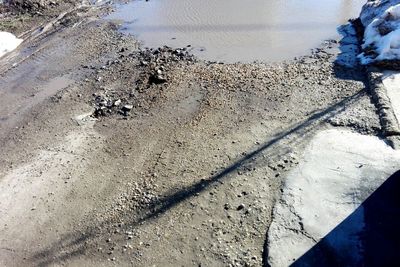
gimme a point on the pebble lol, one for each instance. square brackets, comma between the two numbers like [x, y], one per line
[241, 206]
[127, 107]
[117, 103]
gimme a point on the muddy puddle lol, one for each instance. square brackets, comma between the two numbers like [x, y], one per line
[237, 30]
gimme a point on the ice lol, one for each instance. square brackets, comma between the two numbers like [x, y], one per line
[8, 42]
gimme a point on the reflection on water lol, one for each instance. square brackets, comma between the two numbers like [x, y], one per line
[237, 30]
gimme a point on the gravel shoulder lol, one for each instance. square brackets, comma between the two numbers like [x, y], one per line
[104, 162]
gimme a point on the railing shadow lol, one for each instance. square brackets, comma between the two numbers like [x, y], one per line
[75, 244]
[377, 244]
[299, 130]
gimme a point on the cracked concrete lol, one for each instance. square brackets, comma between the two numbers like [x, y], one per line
[379, 91]
[339, 171]
[391, 81]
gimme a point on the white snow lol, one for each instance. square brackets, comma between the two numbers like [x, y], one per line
[382, 35]
[374, 8]
[8, 42]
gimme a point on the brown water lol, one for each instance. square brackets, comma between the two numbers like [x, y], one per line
[237, 30]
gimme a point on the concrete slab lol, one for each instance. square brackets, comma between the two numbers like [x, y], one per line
[391, 80]
[321, 219]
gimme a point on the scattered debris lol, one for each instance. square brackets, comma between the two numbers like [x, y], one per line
[152, 66]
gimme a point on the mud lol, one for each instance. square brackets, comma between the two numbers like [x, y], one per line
[189, 176]
[19, 17]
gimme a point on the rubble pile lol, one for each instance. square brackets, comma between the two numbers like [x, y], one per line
[153, 67]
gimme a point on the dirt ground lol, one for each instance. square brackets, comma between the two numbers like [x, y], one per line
[113, 154]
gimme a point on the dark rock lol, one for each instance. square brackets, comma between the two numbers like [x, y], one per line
[240, 207]
[127, 108]
[157, 79]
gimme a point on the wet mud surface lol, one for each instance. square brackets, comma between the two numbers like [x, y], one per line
[117, 154]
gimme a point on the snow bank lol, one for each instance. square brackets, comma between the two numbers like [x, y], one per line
[8, 42]
[382, 36]
[375, 8]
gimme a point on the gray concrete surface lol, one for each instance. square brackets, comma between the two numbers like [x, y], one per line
[391, 85]
[391, 81]
[321, 218]
[383, 101]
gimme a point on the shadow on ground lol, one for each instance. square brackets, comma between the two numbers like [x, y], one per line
[75, 244]
[291, 27]
[346, 64]
[291, 136]
[379, 242]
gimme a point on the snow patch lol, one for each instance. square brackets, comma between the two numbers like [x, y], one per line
[8, 42]
[375, 8]
[382, 37]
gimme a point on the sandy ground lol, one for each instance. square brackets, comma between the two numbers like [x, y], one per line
[182, 172]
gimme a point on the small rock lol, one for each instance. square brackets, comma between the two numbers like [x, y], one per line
[127, 107]
[157, 79]
[117, 103]
[241, 206]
